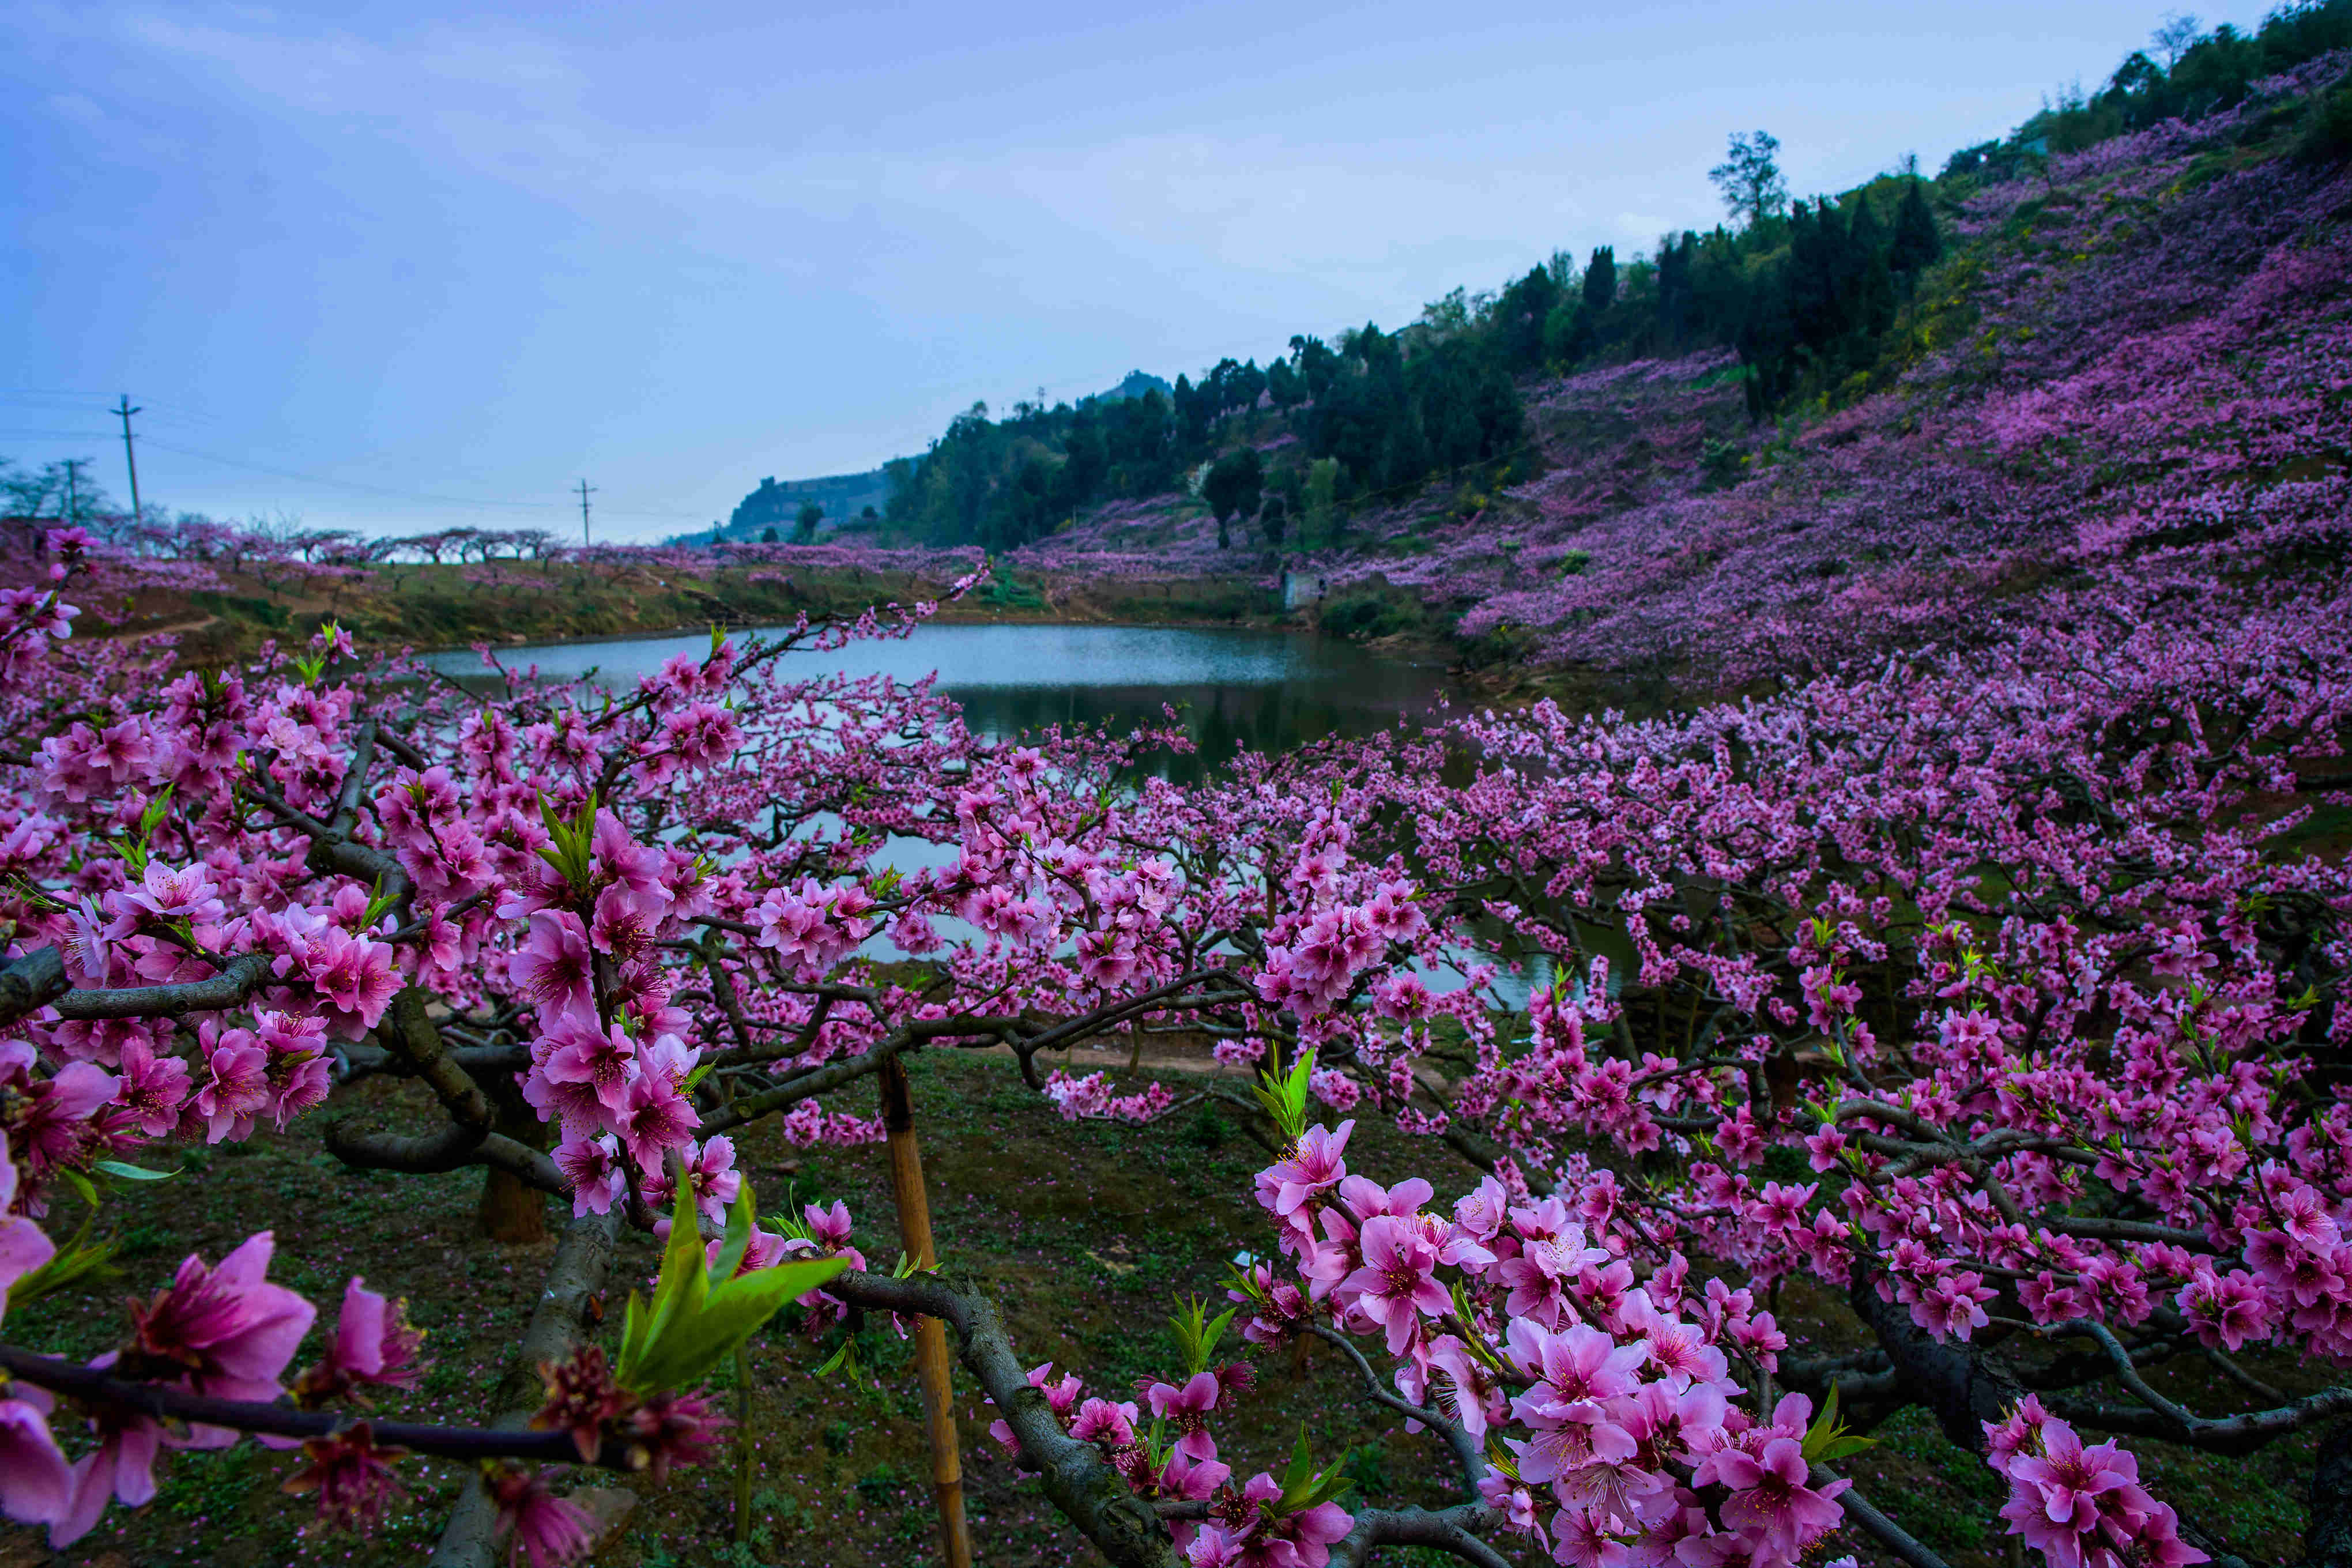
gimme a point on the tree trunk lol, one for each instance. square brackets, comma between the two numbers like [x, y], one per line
[2327, 1540]
[512, 1210]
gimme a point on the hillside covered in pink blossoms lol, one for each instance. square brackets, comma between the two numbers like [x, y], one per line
[2125, 383]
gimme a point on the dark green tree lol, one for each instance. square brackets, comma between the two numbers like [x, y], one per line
[1916, 243]
[1233, 487]
[1318, 365]
[804, 524]
[1273, 518]
[1521, 315]
[1674, 289]
[1192, 416]
[1867, 278]
[1284, 382]
[1601, 279]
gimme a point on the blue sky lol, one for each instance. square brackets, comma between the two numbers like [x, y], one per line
[394, 266]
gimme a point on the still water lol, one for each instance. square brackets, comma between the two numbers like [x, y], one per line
[1234, 689]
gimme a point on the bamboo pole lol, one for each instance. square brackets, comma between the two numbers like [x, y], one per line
[930, 1334]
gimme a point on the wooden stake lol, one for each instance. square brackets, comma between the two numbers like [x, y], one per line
[930, 1334]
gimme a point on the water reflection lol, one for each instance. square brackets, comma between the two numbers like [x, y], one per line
[1234, 689]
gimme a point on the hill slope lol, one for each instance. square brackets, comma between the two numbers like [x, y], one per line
[2127, 377]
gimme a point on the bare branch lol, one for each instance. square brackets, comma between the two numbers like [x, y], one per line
[232, 987]
[1447, 1529]
[583, 1263]
[1090, 1493]
[1878, 1526]
[30, 984]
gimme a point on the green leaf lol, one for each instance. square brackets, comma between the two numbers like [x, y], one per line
[696, 1340]
[1196, 1334]
[153, 817]
[681, 1277]
[694, 1321]
[125, 1173]
[1302, 1487]
[1285, 1098]
[1827, 1438]
[379, 902]
[74, 1262]
[1302, 1464]
[742, 1216]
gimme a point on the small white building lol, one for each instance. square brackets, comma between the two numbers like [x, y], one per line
[1300, 589]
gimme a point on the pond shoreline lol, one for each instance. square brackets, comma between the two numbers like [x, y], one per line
[1418, 653]
[1234, 688]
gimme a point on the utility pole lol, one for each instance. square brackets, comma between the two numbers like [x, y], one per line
[585, 491]
[123, 411]
[73, 468]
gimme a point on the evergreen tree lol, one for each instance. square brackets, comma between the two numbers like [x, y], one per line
[1916, 243]
[1520, 316]
[1566, 331]
[1322, 510]
[1233, 487]
[1502, 418]
[1318, 365]
[1193, 415]
[1086, 463]
[1601, 279]
[1404, 453]
[1284, 382]
[1273, 518]
[804, 525]
[1871, 309]
[1674, 289]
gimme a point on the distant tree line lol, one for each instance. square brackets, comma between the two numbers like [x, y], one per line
[2190, 74]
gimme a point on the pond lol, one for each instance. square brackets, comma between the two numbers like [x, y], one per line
[1234, 689]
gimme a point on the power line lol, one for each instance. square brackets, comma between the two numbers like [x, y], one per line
[296, 474]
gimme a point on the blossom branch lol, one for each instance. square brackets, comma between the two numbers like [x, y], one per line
[164, 1403]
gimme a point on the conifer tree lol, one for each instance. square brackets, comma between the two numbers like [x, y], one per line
[1916, 242]
[1870, 305]
[1601, 279]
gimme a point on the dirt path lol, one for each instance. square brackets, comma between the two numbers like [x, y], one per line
[175, 628]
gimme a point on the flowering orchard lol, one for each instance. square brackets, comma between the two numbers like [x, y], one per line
[2007, 964]
[2134, 369]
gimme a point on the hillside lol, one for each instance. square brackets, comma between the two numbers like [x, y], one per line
[2106, 352]
[773, 509]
